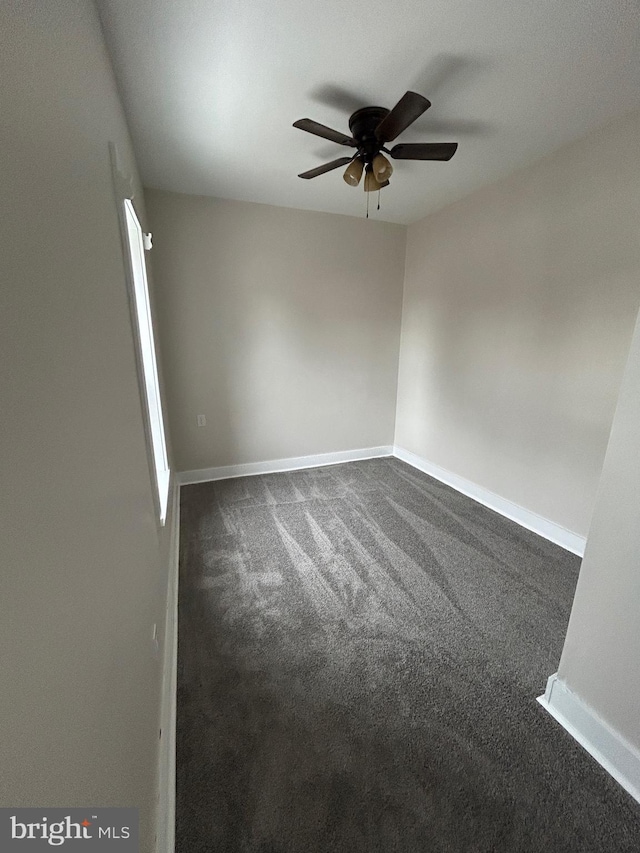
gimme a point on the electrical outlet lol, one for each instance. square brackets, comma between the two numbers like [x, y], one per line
[202, 420]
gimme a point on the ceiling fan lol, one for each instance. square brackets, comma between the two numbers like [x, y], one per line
[371, 129]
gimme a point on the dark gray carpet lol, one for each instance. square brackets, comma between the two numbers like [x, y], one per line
[360, 648]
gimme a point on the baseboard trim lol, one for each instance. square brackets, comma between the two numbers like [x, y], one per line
[618, 757]
[525, 518]
[166, 813]
[274, 466]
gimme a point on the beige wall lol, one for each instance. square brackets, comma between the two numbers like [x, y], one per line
[281, 326]
[519, 305]
[84, 566]
[601, 657]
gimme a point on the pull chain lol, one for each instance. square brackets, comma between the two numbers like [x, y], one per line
[378, 199]
[368, 194]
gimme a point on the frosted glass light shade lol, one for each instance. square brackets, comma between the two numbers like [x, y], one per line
[370, 183]
[353, 172]
[382, 168]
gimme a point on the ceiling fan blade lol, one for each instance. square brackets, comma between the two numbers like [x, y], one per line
[324, 131]
[410, 107]
[424, 151]
[327, 167]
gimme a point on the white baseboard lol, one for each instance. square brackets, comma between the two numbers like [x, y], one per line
[166, 813]
[525, 518]
[618, 757]
[275, 466]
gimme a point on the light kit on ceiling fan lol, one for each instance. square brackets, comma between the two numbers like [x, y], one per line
[371, 183]
[371, 129]
[353, 172]
[382, 168]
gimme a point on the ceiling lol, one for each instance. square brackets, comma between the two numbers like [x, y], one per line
[212, 87]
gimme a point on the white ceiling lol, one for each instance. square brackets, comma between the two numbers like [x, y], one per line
[212, 87]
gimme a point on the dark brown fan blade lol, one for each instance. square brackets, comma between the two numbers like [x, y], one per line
[424, 151]
[327, 167]
[324, 131]
[410, 107]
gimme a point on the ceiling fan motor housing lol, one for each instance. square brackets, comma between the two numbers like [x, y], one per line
[362, 125]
